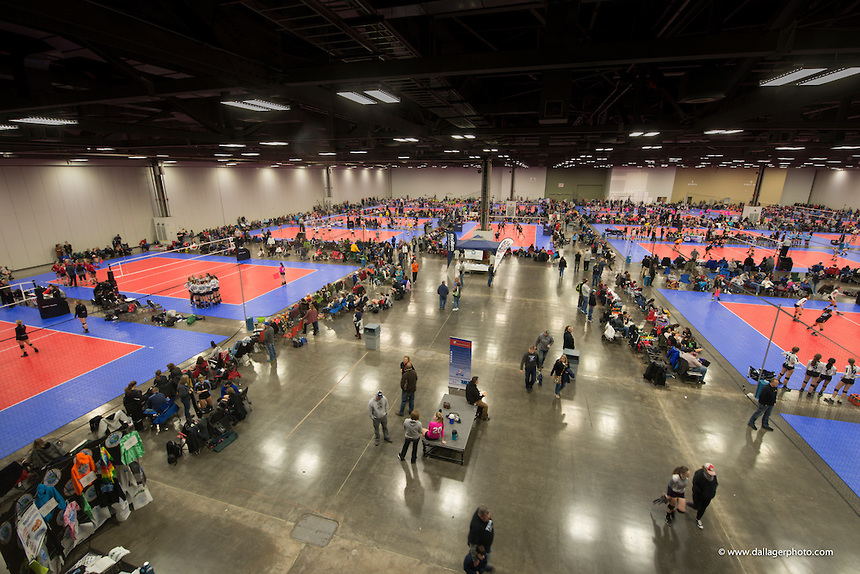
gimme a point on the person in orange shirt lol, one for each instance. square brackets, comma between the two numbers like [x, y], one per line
[414, 270]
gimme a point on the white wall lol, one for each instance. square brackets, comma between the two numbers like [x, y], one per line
[45, 203]
[207, 196]
[353, 185]
[798, 186]
[644, 185]
[529, 183]
[837, 189]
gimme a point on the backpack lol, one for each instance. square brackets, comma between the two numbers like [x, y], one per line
[182, 391]
[174, 452]
[94, 423]
[190, 320]
[579, 288]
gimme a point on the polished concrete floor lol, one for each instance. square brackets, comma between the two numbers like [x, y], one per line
[569, 481]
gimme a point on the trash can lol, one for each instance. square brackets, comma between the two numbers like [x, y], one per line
[572, 360]
[371, 335]
[249, 324]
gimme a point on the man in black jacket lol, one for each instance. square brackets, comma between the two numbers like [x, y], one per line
[481, 533]
[475, 397]
[408, 385]
[766, 400]
[704, 490]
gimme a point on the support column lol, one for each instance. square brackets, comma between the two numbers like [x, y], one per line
[486, 167]
[156, 172]
[757, 189]
[513, 180]
[328, 186]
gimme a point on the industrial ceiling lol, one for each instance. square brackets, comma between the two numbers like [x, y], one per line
[447, 82]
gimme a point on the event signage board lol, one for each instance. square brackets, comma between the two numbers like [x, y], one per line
[459, 363]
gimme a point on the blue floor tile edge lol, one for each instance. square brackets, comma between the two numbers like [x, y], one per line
[835, 442]
[44, 413]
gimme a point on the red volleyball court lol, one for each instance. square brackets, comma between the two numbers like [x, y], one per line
[799, 259]
[529, 236]
[337, 234]
[62, 357]
[166, 276]
[844, 329]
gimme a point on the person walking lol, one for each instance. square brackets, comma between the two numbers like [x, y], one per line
[377, 408]
[543, 343]
[491, 272]
[704, 490]
[357, 323]
[414, 270]
[481, 534]
[443, 295]
[456, 294]
[528, 364]
[674, 494]
[461, 267]
[848, 378]
[183, 393]
[476, 564]
[561, 373]
[269, 341]
[311, 318]
[414, 430]
[81, 315]
[408, 386]
[718, 287]
[585, 291]
[22, 337]
[562, 265]
[766, 401]
[576, 259]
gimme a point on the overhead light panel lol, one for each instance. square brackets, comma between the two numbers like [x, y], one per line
[406, 140]
[357, 98]
[269, 106]
[846, 147]
[650, 134]
[251, 154]
[295, 159]
[327, 153]
[169, 161]
[790, 148]
[105, 149]
[275, 143]
[456, 137]
[137, 157]
[231, 145]
[8, 127]
[257, 105]
[722, 132]
[403, 157]
[830, 77]
[790, 77]
[223, 154]
[358, 151]
[382, 96]
[636, 134]
[79, 159]
[42, 121]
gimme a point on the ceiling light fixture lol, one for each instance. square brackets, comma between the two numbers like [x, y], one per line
[327, 153]
[79, 159]
[250, 154]
[275, 143]
[831, 76]
[257, 105]
[456, 137]
[650, 134]
[105, 149]
[42, 121]
[790, 148]
[357, 98]
[721, 132]
[295, 159]
[403, 157]
[636, 134]
[406, 140]
[223, 154]
[8, 127]
[789, 77]
[383, 96]
[846, 147]
[231, 145]
[358, 151]
[137, 157]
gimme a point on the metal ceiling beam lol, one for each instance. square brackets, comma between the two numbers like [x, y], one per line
[596, 56]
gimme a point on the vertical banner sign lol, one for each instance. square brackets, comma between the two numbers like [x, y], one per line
[506, 244]
[451, 246]
[459, 363]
